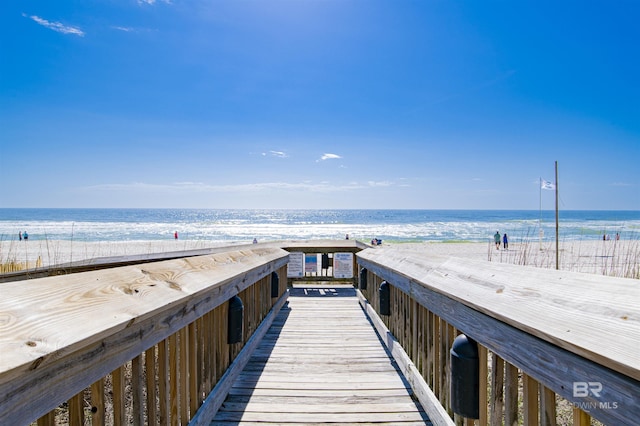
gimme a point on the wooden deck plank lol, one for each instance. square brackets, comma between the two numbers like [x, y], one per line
[293, 386]
[321, 375]
[322, 358]
[281, 423]
[326, 394]
[275, 406]
[325, 417]
[319, 400]
[320, 362]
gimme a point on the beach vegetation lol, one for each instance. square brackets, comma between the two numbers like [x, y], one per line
[614, 258]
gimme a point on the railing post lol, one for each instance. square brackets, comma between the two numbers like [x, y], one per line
[275, 284]
[384, 293]
[465, 377]
[363, 279]
[235, 324]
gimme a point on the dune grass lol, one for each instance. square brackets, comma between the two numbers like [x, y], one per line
[616, 258]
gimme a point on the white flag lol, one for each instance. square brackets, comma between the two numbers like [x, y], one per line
[547, 185]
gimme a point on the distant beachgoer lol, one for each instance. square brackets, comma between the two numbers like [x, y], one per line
[25, 235]
[255, 241]
[505, 241]
[604, 237]
[617, 236]
[346, 237]
[20, 235]
[496, 238]
[175, 235]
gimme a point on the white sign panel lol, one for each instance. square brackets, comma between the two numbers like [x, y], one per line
[295, 267]
[343, 265]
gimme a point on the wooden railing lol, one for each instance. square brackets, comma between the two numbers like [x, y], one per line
[548, 341]
[140, 344]
[148, 343]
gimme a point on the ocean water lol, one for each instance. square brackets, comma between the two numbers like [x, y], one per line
[244, 225]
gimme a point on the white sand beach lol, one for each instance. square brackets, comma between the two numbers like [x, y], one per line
[619, 258]
[615, 258]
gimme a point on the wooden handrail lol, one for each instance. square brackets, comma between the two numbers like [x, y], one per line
[108, 262]
[557, 327]
[59, 335]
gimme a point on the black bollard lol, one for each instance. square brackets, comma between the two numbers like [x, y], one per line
[275, 284]
[465, 377]
[363, 279]
[236, 314]
[384, 294]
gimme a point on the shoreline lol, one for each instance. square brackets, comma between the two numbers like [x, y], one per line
[613, 257]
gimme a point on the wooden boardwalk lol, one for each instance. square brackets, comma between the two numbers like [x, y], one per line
[320, 362]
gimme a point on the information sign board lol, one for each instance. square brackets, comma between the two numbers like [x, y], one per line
[343, 265]
[295, 267]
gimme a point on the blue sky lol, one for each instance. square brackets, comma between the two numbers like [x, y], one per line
[426, 104]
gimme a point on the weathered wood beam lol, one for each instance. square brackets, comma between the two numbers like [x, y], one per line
[60, 334]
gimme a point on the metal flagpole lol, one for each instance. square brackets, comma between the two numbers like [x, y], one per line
[557, 243]
[540, 220]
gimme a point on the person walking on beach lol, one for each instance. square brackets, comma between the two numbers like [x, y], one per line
[175, 235]
[25, 235]
[20, 235]
[505, 241]
[496, 238]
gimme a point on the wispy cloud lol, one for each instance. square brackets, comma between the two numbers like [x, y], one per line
[329, 157]
[56, 26]
[125, 29]
[153, 1]
[279, 154]
[199, 187]
[384, 183]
